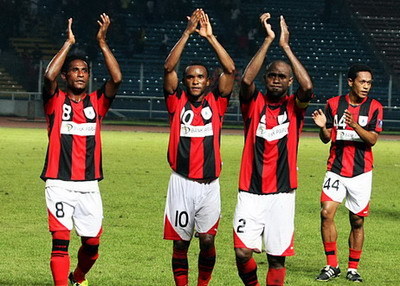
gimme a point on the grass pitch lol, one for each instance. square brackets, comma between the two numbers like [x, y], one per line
[136, 176]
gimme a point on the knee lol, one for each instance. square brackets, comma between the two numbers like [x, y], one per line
[326, 215]
[276, 262]
[206, 241]
[243, 254]
[357, 222]
[181, 245]
[90, 245]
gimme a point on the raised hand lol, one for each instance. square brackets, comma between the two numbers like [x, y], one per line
[104, 23]
[319, 118]
[193, 21]
[70, 34]
[264, 21]
[284, 39]
[205, 26]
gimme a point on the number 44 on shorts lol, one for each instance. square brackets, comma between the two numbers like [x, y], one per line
[328, 185]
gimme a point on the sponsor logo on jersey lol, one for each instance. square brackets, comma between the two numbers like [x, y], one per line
[82, 129]
[275, 133]
[347, 135]
[196, 131]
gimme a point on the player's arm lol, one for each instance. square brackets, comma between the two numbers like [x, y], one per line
[305, 91]
[112, 65]
[54, 67]
[227, 78]
[170, 75]
[320, 120]
[247, 85]
[369, 137]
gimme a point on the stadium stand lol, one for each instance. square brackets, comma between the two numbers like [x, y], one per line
[327, 36]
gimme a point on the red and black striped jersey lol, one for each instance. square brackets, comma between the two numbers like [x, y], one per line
[349, 156]
[272, 130]
[74, 148]
[195, 134]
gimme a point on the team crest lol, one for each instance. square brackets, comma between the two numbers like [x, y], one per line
[363, 120]
[282, 118]
[206, 113]
[89, 112]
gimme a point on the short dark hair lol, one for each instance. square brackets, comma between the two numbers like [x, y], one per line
[195, 64]
[356, 68]
[71, 58]
[272, 64]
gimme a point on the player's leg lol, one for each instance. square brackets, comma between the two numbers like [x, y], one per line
[60, 261]
[248, 226]
[180, 264]
[88, 253]
[276, 270]
[279, 235]
[207, 257]
[356, 240]
[207, 216]
[357, 202]
[60, 208]
[179, 224]
[247, 266]
[88, 217]
[328, 231]
[333, 193]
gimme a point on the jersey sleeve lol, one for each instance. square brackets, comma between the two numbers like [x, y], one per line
[171, 100]
[49, 100]
[245, 104]
[104, 102]
[376, 122]
[223, 101]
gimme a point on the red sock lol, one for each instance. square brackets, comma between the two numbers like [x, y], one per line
[331, 253]
[276, 277]
[248, 272]
[87, 256]
[180, 267]
[59, 260]
[206, 266]
[354, 258]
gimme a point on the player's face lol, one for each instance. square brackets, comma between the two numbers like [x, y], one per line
[361, 85]
[77, 76]
[278, 79]
[196, 80]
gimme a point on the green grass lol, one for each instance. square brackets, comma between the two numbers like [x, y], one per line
[136, 176]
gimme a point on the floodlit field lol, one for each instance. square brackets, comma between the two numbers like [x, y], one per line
[136, 175]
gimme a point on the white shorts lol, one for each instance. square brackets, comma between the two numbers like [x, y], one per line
[191, 205]
[71, 203]
[357, 191]
[267, 219]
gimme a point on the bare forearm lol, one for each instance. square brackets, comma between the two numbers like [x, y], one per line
[253, 68]
[325, 134]
[225, 60]
[368, 137]
[111, 62]
[299, 71]
[54, 67]
[176, 53]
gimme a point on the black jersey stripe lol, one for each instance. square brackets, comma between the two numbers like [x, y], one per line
[66, 141]
[208, 150]
[258, 166]
[90, 143]
[282, 165]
